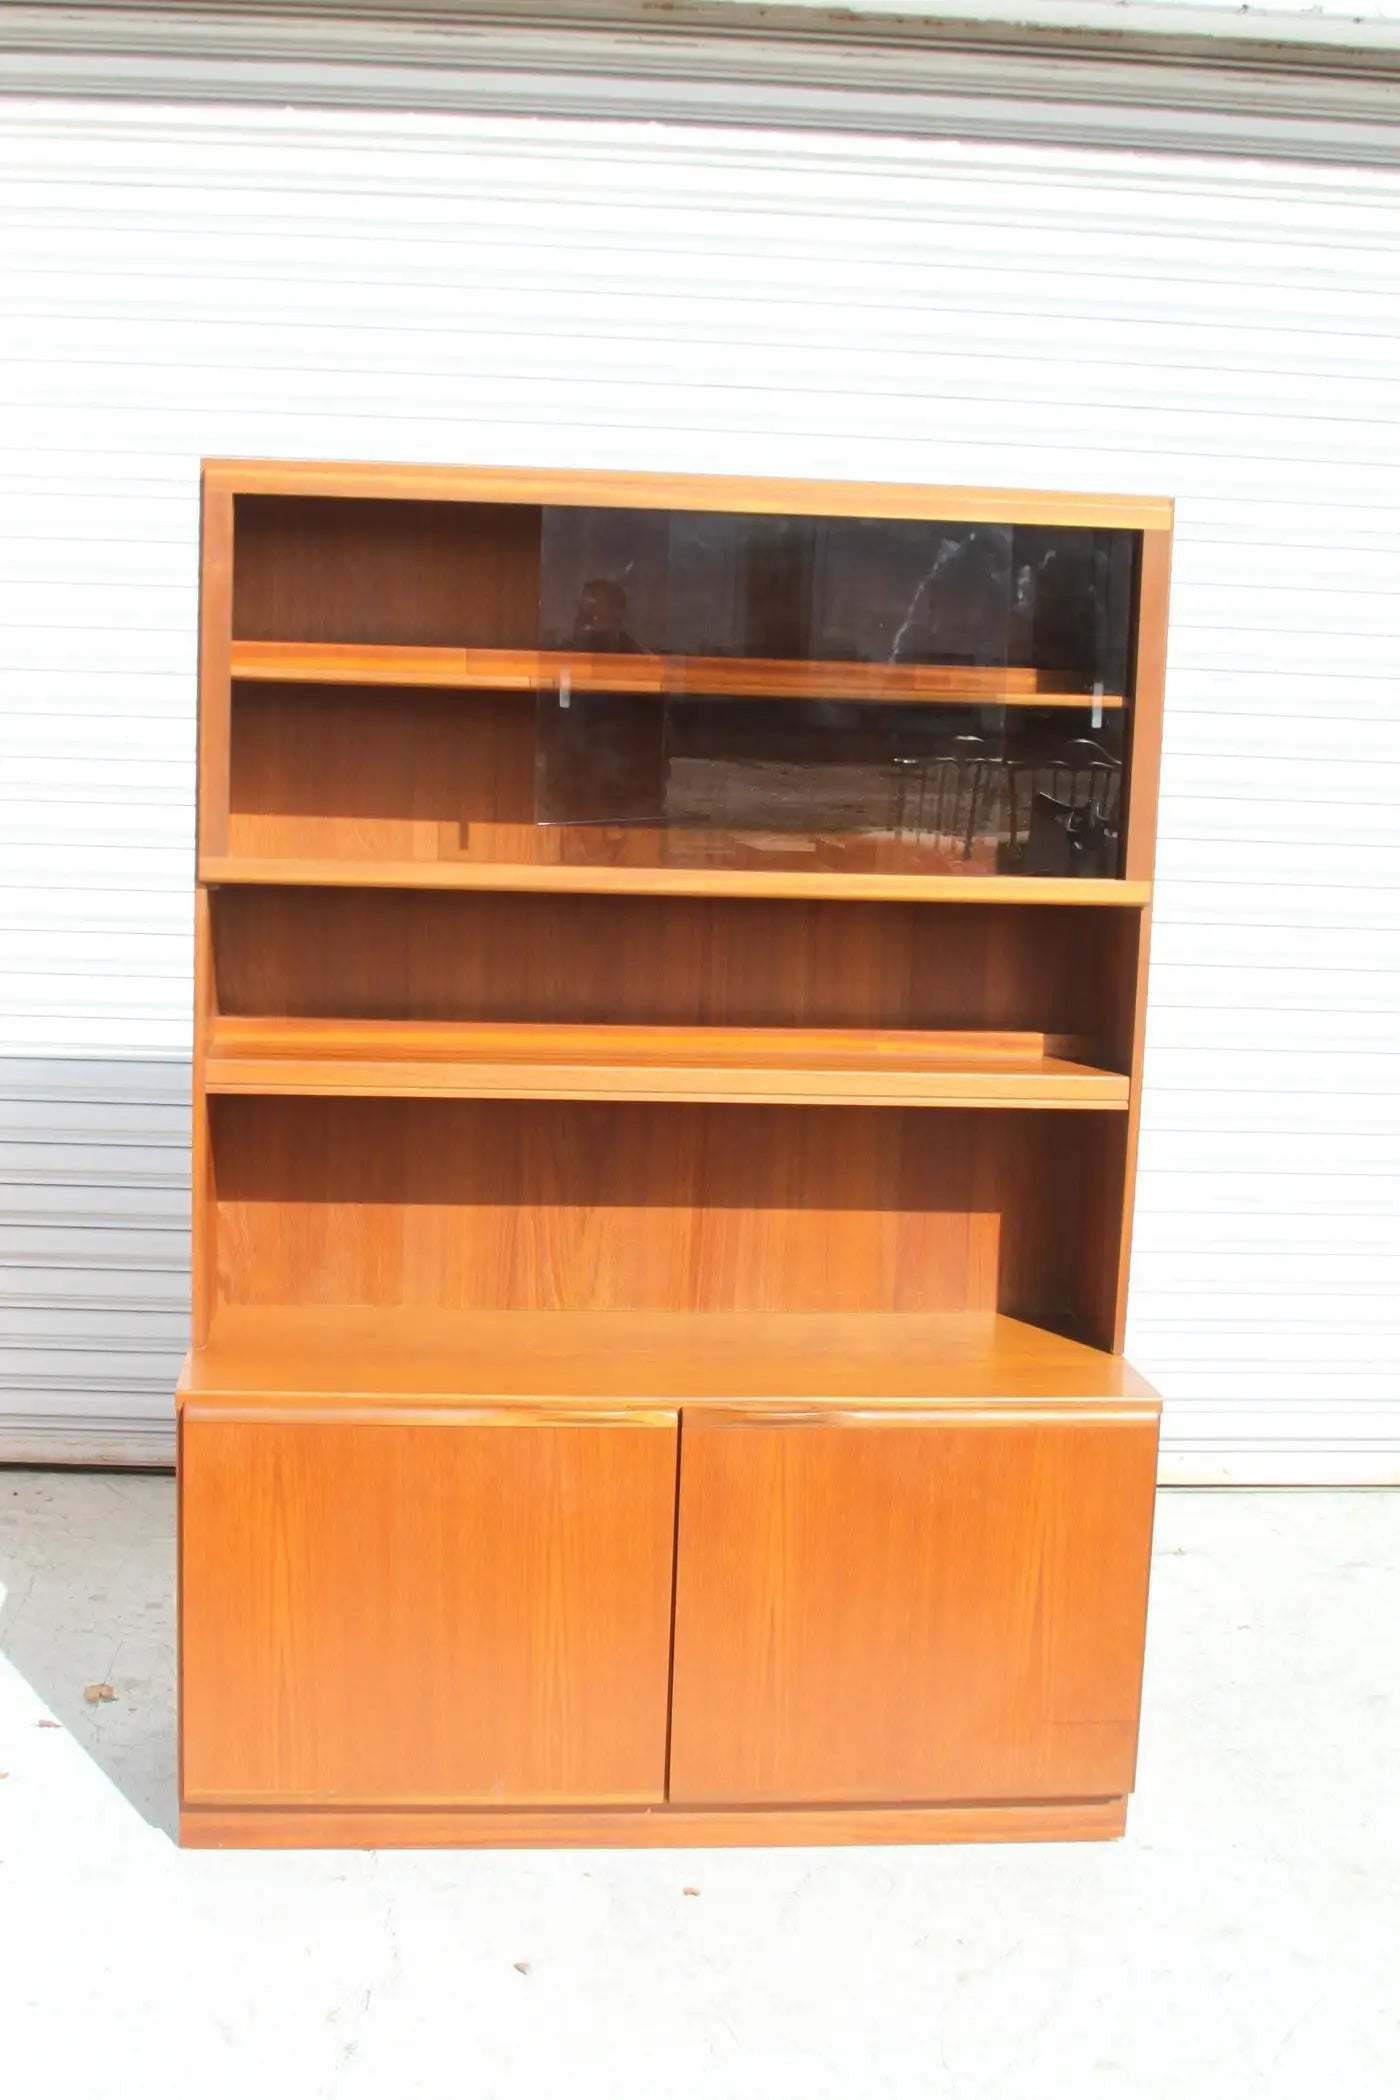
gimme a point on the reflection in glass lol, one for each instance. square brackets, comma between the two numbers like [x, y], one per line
[871, 692]
[604, 578]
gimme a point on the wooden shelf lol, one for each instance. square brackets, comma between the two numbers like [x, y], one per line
[401, 1355]
[605, 878]
[720, 677]
[589, 1062]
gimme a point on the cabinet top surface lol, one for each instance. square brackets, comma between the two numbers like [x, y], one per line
[492, 484]
[364, 1354]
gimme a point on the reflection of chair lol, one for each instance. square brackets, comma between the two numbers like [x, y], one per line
[948, 790]
[1080, 773]
[954, 790]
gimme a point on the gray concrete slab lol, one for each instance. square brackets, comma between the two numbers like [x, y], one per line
[1244, 1939]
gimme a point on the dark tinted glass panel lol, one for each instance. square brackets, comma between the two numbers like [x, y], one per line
[876, 693]
[605, 581]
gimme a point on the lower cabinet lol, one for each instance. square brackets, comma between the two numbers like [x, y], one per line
[398, 1611]
[418, 1607]
[872, 1607]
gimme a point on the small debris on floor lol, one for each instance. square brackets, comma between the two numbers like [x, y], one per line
[95, 1694]
[523, 1966]
[46, 1723]
[690, 1892]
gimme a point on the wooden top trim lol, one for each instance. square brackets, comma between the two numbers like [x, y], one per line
[653, 491]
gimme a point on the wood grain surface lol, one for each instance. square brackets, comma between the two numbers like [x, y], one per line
[682, 962]
[450, 1612]
[348, 1356]
[656, 1328]
[397, 774]
[597, 1062]
[215, 688]
[883, 1609]
[856, 876]
[659, 491]
[749, 678]
[979, 1823]
[1150, 682]
[411, 575]
[649, 1206]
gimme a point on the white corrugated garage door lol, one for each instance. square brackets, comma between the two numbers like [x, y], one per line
[185, 282]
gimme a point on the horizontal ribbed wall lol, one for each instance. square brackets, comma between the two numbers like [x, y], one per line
[176, 284]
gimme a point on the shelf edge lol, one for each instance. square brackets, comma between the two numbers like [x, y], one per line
[267, 1077]
[556, 878]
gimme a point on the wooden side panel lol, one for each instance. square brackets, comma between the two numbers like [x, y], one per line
[203, 1202]
[950, 1609]
[1149, 701]
[465, 1612]
[1150, 688]
[215, 595]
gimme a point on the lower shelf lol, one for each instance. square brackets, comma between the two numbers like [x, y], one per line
[1012, 1823]
[898, 1068]
[402, 1355]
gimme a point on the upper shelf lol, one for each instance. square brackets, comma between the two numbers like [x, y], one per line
[338, 871]
[720, 677]
[896, 1068]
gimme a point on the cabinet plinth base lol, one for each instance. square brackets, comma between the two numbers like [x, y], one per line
[958, 1823]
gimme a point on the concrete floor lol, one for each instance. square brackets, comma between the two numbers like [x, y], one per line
[1244, 1939]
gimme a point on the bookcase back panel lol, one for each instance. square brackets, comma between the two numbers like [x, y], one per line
[497, 956]
[444, 575]
[565, 1206]
[377, 772]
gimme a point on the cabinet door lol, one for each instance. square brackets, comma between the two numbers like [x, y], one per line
[871, 1607]
[461, 1609]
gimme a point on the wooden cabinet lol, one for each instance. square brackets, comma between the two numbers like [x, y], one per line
[871, 1607]
[382, 1610]
[670, 971]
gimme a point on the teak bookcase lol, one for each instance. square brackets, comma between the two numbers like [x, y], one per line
[671, 960]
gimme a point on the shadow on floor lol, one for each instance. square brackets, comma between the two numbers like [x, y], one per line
[87, 1597]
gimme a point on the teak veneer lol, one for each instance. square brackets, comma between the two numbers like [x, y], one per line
[591, 1062]
[643, 879]
[535, 670]
[656, 1370]
[329, 1356]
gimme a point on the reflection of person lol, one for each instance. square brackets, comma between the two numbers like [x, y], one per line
[599, 623]
[959, 612]
[1061, 607]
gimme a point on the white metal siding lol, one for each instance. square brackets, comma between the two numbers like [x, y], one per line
[94, 1253]
[1151, 74]
[175, 283]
